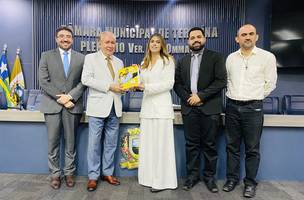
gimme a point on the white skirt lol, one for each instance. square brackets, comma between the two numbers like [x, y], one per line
[157, 167]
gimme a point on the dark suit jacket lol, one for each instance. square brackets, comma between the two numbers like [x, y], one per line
[53, 81]
[212, 79]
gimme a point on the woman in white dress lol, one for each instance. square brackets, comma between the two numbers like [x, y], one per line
[157, 167]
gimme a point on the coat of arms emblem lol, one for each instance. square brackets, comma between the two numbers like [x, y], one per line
[130, 148]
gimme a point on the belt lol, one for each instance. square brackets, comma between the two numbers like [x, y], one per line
[242, 103]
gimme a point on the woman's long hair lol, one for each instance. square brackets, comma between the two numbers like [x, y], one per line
[163, 51]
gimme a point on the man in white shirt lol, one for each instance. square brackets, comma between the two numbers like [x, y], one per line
[251, 74]
[60, 79]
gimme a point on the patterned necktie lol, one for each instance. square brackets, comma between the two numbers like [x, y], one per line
[194, 74]
[110, 66]
[66, 63]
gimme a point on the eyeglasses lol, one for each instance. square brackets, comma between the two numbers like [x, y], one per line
[61, 36]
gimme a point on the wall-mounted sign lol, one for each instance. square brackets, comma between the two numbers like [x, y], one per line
[126, 37]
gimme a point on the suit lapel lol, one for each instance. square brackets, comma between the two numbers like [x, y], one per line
[103, 63]
[72, 63]
[188, 67]
[202, 64]
[59, 63]
[106, 66]
[115, 67]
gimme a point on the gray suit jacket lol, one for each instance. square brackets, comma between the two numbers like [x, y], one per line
[53, 81]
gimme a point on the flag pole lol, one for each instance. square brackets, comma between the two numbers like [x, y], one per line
[20, 100]
[18, 51]
[4, 48]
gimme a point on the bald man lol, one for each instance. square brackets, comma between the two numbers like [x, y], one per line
[104, 107]
[251, 77]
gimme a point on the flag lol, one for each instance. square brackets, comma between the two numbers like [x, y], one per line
[4, 81]
[17, 85]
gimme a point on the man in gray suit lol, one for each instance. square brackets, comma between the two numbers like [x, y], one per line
[60, 72]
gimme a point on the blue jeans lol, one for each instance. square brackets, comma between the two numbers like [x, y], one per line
[244, 121]
[108, 126]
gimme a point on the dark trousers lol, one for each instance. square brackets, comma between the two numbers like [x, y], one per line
[244, 121]
[200, 133]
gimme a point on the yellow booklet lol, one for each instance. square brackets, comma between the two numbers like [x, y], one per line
[129, 76]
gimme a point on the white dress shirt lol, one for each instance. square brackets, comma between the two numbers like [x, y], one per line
[62, 54]
[61, 51]
[251, 78]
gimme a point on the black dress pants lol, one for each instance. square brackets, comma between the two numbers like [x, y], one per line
[201, 133]
[244, 121]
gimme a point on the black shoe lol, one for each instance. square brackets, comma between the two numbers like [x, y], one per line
[211, 185]
[153, 190]
[249, 191]
[189, 184]
[229, 185]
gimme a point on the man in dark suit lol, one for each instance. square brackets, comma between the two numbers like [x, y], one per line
[199, 79]
[60, 72]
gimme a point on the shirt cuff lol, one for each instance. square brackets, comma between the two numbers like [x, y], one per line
[71, 98]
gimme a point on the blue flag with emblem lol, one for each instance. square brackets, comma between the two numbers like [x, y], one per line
[4, 81]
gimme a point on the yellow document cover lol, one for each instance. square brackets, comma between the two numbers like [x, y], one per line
[129, 76]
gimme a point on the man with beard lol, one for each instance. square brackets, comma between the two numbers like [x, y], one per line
[199, 79]
[60, 79]
[251, 77]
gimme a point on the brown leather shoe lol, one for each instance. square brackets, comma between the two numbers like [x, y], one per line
[92, 185]
[55, 182]
[111, 180]
[69, 180]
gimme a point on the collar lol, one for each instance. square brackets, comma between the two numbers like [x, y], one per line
[61, 51]
[104, 56]
[253, 52]
[198, 53]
